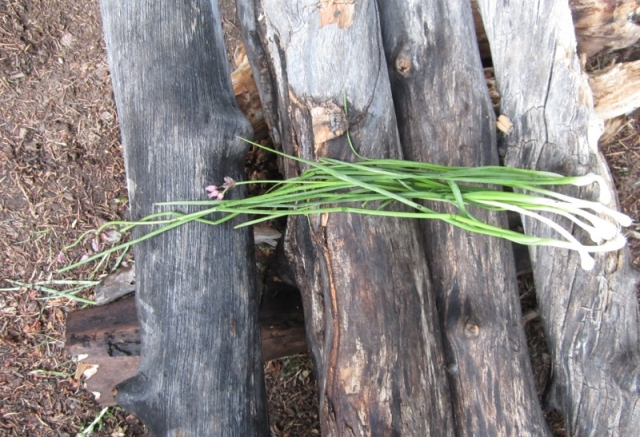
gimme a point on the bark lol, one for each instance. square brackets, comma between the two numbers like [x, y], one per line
[369, 308]
[445, 117]
[201, 367]
[591, 318]
[109, 336]
[616, 90]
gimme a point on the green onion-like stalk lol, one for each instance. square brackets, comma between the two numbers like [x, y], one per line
[332, 186]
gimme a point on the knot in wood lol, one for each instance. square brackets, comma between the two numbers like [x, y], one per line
[471, 330]
[403, 62]
[403, 65]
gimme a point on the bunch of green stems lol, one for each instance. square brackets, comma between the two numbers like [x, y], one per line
[371, 186]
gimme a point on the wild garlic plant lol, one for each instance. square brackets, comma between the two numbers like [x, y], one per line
[372, 185]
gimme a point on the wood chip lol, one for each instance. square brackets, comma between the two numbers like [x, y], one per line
[504, 124]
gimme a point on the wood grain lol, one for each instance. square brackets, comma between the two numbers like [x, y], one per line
[369, 307]
[616, 90]
[591, 318]
[445, 117]
[605, 25]
[201, 367]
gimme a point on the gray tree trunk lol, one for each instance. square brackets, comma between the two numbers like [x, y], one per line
[591, 318]
[369, 305]
[201, 368]
[445, 117]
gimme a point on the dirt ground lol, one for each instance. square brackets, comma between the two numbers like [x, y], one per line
[62, 173]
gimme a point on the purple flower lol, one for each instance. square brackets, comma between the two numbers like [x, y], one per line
[60, 257]
[213, 191]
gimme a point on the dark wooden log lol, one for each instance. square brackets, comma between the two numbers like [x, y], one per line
[109, 330]
[123, 280]
[201, 367]
[109, 336]
[590, 318]
[369, 308]
[445, 117]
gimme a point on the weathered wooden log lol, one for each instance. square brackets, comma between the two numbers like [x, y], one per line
[201, 368]
[445, 117]
[605, 25]
[116, 285]
[600, 25]
[616, 90]
[109, 336]
[369, 308]
[123, 280]
[590, 318]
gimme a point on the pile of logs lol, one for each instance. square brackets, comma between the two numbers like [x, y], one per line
[414, 328]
